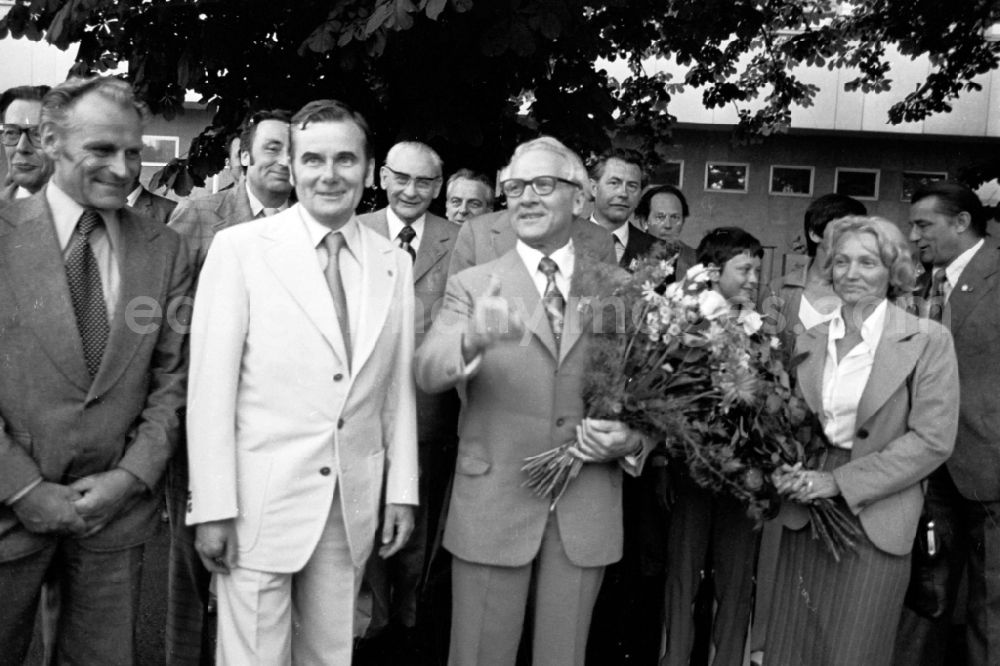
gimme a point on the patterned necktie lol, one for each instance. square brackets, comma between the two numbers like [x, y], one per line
[86, 291]
[406, 236]
[334, 242]
[552, 299]
[936, 296]
[619, 248]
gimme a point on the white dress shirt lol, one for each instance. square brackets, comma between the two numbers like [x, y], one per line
[105, 241]
[953, 271]
[810, 316]
[619, 237]
[256, 207]
[844, 382]
[565, 261]
[350, 262]
[396, 225]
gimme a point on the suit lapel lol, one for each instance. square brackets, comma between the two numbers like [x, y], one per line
[142, 271]
[810, 372]
[520, 291]
[234, 208]
[895, 357]
[292, 257]
[973, 284]
[377, 288]
[37, 275]
[433, 246]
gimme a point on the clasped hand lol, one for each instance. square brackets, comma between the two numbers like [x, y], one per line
[803, 485]
[80, 509]
[493, 319]
[601, 441]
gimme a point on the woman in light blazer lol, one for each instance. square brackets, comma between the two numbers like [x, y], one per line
[885, 385]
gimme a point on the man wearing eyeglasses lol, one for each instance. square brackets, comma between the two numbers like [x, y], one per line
[663, 209]
[28, 167]
[511, 335]
[411, 178]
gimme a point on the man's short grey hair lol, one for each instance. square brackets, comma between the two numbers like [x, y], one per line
[574, 170]
[58, 101]
[469, 174]
[419, 147]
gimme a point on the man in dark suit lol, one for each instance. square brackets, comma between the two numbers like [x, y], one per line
[263, 192]
[663, 210]
[948, 225]
[628, 612]
[92, 370]
[411, 178]
[615, 183]
[151, 205]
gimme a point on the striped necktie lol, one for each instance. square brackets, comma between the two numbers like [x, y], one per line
[552, 299]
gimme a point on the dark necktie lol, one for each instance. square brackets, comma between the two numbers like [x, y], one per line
[86, 291]
[619, 248]
[936, 296]
[406, 236]
[552, 299]
[334, 241]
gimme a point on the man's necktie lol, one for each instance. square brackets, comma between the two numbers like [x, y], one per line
[406, 236]
[552, 299]
[334, 242]
[86, 291]
[619, 248]
[936, 296]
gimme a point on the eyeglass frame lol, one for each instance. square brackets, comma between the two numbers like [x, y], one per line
[21, 131]
[524, 184]
[421, 183]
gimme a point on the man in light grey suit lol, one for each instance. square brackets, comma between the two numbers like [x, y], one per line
[264, 191]
[521, 387]
[411, 178]
[92, 370]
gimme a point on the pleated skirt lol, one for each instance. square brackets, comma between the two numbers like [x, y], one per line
[829, 613]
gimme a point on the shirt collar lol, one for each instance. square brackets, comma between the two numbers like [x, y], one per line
[66, 213]
[564, 257]
[396, 225]
[871, 328]
[953, 271]
[318, 231]
[255, 205]
[133, 196]
[622, 234]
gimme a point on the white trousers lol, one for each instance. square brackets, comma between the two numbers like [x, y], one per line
[303, 618]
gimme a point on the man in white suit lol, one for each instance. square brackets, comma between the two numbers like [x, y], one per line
[301, 394]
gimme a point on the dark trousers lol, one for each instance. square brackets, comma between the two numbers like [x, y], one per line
[709, 535]
[971, 542]
[188, 639]
[99, 603]
[627, 625]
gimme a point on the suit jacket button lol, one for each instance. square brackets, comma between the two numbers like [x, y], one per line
[340, 423]
[337, 377]
[862, 434]
[560, 421]
[325, 471]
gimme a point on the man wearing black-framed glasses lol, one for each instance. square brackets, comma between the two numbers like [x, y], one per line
[28, 169]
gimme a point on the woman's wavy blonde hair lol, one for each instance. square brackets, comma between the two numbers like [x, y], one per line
[893, 249]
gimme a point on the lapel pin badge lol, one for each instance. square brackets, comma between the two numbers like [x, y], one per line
[965, 287]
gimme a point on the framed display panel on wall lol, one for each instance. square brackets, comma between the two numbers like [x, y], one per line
[858, 183]
[672, 173]
[915, 179]
[791, 181]
[158, 150]
[727, 177]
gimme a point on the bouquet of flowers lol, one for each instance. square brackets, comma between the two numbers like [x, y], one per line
[681, 366]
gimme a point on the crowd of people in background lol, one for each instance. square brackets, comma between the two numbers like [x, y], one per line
[334, 406]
